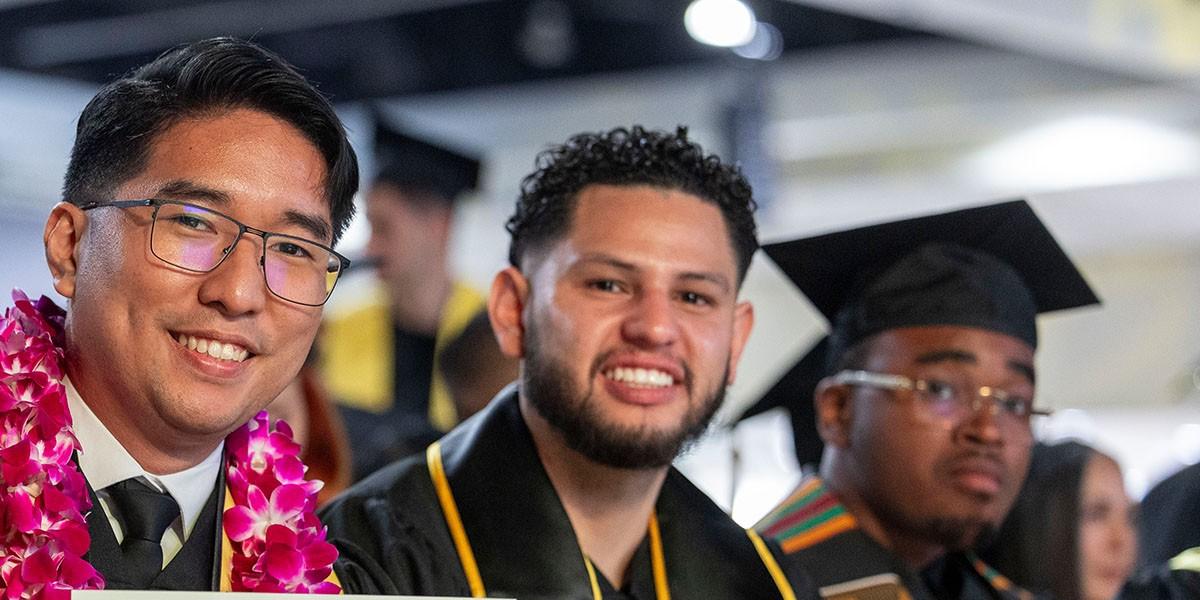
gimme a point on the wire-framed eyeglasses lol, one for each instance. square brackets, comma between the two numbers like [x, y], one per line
[199, 239]
[951, 401]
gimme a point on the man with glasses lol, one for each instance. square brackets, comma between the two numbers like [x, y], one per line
[928, 398]
[203, 195]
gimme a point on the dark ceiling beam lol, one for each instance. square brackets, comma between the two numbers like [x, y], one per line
[47, 46]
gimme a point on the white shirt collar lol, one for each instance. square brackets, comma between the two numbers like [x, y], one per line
[104, 461]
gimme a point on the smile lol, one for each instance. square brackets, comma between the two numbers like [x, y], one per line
[213, 348]
[641, 378]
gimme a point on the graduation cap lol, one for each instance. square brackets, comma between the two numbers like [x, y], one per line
[994, 267]
[794, 391]
[410, 163]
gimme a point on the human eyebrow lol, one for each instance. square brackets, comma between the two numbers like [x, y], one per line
[183, 188]
[607, 260]
[714, 278]
[1023, 368]
[947, 355]
[612, 261]
[315, 225]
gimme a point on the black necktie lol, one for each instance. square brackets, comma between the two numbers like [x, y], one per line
[145, 514]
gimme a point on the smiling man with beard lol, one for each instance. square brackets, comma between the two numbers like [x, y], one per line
[628, 251]
[927, 402]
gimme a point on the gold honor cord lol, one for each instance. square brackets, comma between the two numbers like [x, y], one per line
[226, 549]
[781, 582]
[657, 563]
[596, 595]
[433, 458]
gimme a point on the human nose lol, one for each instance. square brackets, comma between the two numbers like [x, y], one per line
[984, 418]
[652, 320]
[236, 286]
[1121, 535]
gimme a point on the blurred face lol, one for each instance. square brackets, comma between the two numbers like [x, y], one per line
[925, 477]
[1107, 540]
[631, 326]
[131, 307]
[408, 237]
[291, 407]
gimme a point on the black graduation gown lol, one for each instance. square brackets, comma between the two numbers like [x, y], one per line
[394, 538]
[197, 565]
[1163, 582]
[821, 541]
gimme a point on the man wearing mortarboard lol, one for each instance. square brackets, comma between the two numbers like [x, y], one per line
[378, 356]
[926, 404]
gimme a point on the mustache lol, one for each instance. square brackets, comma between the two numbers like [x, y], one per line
[987, 461]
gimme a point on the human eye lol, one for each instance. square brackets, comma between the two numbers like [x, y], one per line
[940, 391]
[610, 286]
[943, 397]
[191, 222]
[1017, 406]
[695, 298]
[1096, 512]
[292, 249]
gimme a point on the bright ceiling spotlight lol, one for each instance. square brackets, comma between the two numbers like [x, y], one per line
[766, 45]
[724, 23]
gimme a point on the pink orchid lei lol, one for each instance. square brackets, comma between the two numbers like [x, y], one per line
[279, 545]
[43, 533]
[279, 542]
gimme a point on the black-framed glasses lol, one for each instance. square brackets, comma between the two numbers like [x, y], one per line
[951, 401]
[199, 239]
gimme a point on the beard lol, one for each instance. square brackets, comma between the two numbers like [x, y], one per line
[576, 414]
[953, 534]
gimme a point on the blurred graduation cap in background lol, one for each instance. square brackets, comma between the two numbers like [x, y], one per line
[414, 164]
[994, 267]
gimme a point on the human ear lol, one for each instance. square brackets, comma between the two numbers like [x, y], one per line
[506, 305]
[743, 322]
[834, 412]
[62, 238]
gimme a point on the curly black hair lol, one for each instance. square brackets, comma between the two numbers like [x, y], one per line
[628, 157]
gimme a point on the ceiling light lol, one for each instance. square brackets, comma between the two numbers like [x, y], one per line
[767, 43]
[724, 23]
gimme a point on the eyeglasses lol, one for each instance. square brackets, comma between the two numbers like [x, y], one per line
[951, 401]
[199, 239]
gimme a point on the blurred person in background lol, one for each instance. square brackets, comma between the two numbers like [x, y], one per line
[1169, 517]
[1071, 532]
[926, 404]
[379, 352]
[1170, 540]
[316, 425]
[474, 368]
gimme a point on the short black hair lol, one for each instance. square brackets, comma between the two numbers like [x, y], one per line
[118, 128]
[629, 157]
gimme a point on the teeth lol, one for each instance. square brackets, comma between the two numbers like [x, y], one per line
[213, 348]
[649, 378]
